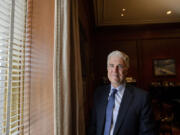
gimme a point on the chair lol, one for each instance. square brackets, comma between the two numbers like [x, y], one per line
[166, 119]
[156, 106]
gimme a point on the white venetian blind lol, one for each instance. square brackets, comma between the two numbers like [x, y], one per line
[15, 40]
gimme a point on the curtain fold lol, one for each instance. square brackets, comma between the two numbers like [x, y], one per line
[68, 91]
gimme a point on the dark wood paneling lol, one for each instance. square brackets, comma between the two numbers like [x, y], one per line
[142, 45]
[138, 32]
[157, 49]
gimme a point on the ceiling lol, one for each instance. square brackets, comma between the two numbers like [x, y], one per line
[132, 12]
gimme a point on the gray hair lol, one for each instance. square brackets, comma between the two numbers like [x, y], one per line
[122, 55]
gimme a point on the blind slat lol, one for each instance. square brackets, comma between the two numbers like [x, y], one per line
[13, 53]
[4, 20]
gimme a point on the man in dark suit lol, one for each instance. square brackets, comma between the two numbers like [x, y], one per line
[120, 109]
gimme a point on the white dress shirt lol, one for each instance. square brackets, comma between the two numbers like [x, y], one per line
[118, 99]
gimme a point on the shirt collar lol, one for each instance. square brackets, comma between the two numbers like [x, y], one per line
[120, 88]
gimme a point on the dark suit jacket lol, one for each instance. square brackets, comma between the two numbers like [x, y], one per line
[134, 117]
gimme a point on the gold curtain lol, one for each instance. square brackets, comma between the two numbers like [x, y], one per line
[68, 91]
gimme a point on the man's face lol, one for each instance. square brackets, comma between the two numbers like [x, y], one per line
[117, 70]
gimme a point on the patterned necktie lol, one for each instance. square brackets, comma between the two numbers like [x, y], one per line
[109, 111]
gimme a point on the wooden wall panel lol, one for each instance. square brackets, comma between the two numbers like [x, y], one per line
[142, 45]
[159, 49]
[41, 95]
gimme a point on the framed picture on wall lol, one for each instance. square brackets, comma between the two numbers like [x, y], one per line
[164, 67]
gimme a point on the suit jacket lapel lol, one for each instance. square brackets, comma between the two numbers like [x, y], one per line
[125, 103]
[102, 108]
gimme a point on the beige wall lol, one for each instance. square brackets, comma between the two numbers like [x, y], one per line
[41, 95]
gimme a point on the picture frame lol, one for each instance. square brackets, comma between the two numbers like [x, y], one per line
[164, 67]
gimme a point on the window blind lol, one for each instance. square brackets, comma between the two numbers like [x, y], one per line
[15, 40]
